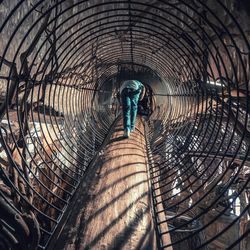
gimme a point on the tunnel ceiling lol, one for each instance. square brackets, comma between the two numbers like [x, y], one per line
[62, 63]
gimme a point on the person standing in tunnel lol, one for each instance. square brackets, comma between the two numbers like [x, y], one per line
[131, 92]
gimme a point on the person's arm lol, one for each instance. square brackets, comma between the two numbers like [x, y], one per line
[143, 90]
[118, 96]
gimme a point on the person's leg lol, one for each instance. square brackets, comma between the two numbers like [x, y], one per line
[126, 107]
[134, 107]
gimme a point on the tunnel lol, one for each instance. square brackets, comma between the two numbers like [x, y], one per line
[62, 64]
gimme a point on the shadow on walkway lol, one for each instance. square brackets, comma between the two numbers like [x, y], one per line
[113, 209]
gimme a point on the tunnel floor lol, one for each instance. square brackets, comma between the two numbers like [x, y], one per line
[114, 212]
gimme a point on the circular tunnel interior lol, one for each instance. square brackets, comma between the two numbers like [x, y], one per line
[62, 64]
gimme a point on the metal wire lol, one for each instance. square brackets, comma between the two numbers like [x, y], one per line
[62, 63]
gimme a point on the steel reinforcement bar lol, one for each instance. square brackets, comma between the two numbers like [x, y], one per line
[62, 63]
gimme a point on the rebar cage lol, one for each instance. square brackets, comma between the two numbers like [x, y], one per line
[62, 63]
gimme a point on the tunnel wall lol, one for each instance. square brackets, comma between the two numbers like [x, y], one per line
[62, 63]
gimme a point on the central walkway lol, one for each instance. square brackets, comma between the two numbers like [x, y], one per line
[113, 208]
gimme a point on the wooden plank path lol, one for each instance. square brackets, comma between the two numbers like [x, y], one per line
[113, 210]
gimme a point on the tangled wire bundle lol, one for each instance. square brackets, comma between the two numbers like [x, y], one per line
[62, 63]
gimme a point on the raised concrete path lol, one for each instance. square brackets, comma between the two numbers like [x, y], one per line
[113, 210]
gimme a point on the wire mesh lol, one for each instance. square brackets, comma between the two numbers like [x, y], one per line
[62, 63]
